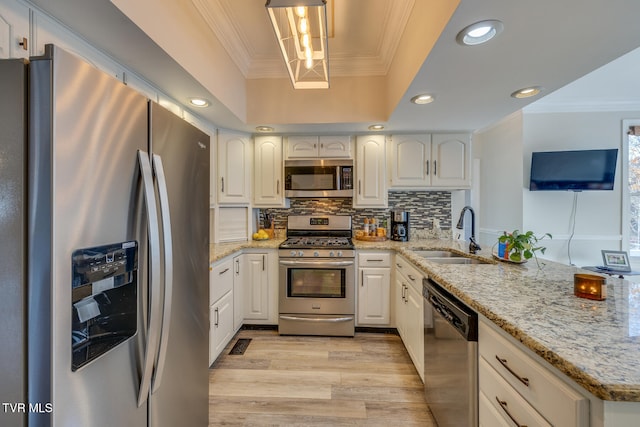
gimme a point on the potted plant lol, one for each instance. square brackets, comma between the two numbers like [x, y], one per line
[520, 247]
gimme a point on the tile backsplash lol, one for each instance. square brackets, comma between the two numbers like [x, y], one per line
[423, 208]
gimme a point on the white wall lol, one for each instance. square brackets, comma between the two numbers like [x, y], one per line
[598, 223]
[505, 151]
[499, 150]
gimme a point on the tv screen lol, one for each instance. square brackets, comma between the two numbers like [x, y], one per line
[575, 170]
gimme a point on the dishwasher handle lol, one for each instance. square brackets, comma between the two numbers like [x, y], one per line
[452, 310]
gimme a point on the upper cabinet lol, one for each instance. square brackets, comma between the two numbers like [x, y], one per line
[318, 147]
[268, 185]
[234, 168]
[410, 159]
[451, 158]
[425, 161]
[370, 162]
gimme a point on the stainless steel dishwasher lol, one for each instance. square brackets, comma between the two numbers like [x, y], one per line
[450, 358]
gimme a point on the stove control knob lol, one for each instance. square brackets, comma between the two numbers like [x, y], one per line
[339, 253]
[316, 254]
[293, 253]
[331, 254]
[300, 253]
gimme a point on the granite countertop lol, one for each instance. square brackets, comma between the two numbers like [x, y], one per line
[595, 343]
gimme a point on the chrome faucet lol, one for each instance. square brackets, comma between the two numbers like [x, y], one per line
[473, 245]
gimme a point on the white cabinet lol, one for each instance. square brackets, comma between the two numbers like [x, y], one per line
[238, 292]
[334, 146]
[234, 168]
[424, 161]
[213, 171]
[318, 146]
[221, 328]
[451, 159]
[268, 185]
[14, 26]
[371, 190]
[256, 286]
[520, 388]
[409, 160]
[374, 288]
[409, 311]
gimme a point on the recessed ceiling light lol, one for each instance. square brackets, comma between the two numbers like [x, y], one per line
[376, 127]
[480, 32]
[526, 92]
[264, 129]
[198, 102]
[424, 98]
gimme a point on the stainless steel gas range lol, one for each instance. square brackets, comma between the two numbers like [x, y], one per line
[317, 277]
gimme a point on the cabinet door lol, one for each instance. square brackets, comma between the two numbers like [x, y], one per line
[220, 279]
[234, 168]
[302, 146]
[414, 332]
[238, 292]
[14, 26]
[450, 159]
[267, 175]
[371, 190]
[221, 325]
[256, 290]
[399, 291]
[334, 146]
[410, 161]
[213, 173]
[373, 296]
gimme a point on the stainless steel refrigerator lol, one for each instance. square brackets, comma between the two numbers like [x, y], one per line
[104, 217]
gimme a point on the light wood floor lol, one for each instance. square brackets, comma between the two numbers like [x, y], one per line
[317, 381]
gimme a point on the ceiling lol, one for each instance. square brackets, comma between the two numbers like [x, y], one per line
[382, 53]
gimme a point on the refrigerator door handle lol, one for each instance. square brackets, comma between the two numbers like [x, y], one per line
[151, 347]
[168, 270]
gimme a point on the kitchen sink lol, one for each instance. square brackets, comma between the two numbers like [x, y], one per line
[448, 257]
[457, 260]
[438, 254]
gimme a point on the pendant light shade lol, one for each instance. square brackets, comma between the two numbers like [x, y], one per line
[301, 30]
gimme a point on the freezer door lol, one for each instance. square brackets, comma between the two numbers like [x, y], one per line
[85, 131]
[180, 387]
[13, 151]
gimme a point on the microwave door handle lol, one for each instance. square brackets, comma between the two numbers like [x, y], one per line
[151, 345]
[168, 270]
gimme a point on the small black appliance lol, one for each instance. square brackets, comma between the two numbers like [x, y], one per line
[400, 225]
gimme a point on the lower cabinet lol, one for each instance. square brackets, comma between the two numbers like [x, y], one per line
[221, 291]
[409, 309]
[374, 288]
[221, 325]
[238, 291]
[256, 286]
[514, 387]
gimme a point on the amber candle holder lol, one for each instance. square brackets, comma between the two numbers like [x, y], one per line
[590, 286]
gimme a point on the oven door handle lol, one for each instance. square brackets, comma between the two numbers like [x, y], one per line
[319, 319]
[322, 263]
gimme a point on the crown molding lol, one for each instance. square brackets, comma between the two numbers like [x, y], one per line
[222, 25]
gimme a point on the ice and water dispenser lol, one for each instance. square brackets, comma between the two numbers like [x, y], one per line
[104, 299]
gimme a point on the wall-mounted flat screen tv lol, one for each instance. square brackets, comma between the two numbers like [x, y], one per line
[575, 170]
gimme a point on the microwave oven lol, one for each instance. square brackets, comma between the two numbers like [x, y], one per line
[318, 178]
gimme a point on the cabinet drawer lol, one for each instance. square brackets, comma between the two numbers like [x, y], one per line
[374, 259]
[410, 274]
[220, 280]
[552, 397]
[495, 391]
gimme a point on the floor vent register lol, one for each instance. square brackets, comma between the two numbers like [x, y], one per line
[240, 346]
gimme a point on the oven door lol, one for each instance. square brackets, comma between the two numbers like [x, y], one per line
[317, 286]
